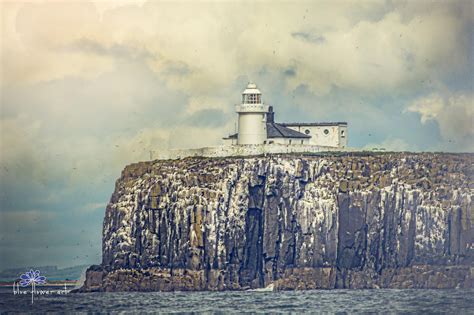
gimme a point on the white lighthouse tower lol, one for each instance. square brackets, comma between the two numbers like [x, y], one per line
[252, 117]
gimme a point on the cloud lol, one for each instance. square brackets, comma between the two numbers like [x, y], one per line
[117, 50]
[454, 115]
[94, 206]
[207, 118]
[391, 144]
[88, 87]
[201, 47]
[37, 238]
[26, 219]
[309, 37]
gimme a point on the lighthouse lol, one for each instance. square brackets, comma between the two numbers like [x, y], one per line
[252, 117]
[257, 126]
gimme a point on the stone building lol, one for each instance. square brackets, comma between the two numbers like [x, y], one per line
[256, 125]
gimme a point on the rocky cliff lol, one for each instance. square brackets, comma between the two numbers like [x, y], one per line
[329, 221]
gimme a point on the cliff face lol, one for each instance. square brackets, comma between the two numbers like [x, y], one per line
[351, 221]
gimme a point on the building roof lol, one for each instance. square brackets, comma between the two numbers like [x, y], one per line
[234, 136]
[339, 123]
[275, 130]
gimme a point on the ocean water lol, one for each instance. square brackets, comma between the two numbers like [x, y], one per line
[293, 302]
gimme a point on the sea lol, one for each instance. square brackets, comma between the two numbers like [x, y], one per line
[460, 301]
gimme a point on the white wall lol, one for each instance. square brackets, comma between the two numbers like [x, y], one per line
[241, 150]
[252, 128]
[324, 135]
[343, 137]
[288, 141]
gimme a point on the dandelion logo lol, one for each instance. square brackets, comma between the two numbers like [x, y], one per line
[32, 278]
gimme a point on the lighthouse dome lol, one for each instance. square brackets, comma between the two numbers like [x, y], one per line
[251, 89]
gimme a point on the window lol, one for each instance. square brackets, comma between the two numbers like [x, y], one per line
[289, 141]
[326, 131]
[251, 98]
[301, 141]
[343, 134]
[307, 131]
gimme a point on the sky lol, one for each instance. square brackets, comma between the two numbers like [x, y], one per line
[88, 87]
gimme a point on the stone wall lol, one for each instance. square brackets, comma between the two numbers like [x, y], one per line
[243, 150]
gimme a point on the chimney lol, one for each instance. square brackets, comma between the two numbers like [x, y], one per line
[270, 115]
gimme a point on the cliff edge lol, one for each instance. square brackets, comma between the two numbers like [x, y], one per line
[392, 220]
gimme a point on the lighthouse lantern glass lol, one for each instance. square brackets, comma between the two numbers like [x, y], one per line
[251, 98]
